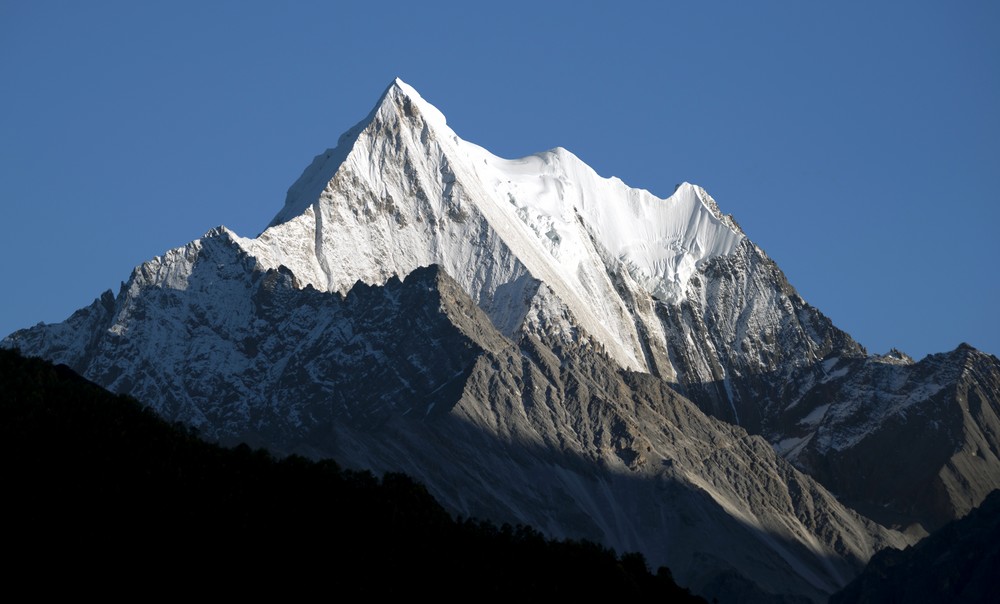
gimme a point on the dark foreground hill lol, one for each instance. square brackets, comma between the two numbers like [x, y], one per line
[99, 492]
[958, 563]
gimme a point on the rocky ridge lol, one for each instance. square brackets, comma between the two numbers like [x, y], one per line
[412, 376]
[422, 305]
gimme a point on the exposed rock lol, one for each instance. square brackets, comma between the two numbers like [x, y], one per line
[958, 563]
[412, 376]
[528, 338]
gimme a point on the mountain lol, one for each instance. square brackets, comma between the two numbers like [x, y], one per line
[539, 344]
[958, 563]
[412, 376]
[96, 481]
[879, 408]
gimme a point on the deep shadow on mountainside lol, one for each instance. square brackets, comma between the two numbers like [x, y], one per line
[948, 402]
[412, 377]
[749, 350]
[958, 563]
[97, 485]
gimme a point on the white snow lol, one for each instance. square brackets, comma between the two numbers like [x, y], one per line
[788, 447]
[815, 416]
[729, 395]
[836, 374]
[402, 190]
[865, 404]
[660, 241]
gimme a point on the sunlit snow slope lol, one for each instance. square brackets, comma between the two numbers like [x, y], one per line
[401, 190]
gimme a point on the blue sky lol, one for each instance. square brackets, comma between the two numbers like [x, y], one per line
[858, 143]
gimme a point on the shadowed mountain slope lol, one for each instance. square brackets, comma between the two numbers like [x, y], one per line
[95, 482]
[958, 563]
[412, 376]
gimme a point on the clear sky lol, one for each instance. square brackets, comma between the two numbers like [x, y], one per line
[858, 143]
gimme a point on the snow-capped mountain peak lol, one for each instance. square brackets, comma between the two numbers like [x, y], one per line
[402, 190]
[496, 374]
[398, 100]
[407, 97]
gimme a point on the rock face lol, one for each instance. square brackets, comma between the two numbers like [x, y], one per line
[247, 355]
[539, 344]
[542, 428]
[748, 349]
[958, 563]
[931, 426]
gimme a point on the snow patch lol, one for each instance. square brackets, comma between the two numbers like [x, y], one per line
[815, 416]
